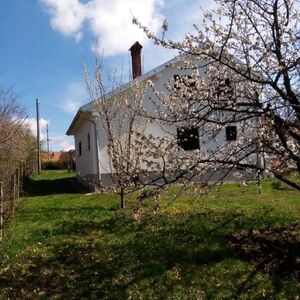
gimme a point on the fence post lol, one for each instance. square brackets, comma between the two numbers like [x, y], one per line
[18, 184]
[24, 173]
[1, 210]
[13, 181]
[21, 178]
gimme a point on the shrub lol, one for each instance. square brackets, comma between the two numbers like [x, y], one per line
[146, 193]
[276, 185]
[54, 165]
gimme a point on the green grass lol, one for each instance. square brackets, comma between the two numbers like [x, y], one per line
[64, 244]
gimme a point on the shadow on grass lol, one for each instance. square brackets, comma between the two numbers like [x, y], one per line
[45, 187]
[182, 256]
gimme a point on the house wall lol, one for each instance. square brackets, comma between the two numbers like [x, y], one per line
[105, 166]
[205, 144]
[159, 81]
[86, 163]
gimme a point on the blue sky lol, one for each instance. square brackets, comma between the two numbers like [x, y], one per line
[44, 44]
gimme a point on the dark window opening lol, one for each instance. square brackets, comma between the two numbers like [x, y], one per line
[88, 142]
[231, 133]
[224, 90]
[79, 149]
[240, 168]
[188, 138]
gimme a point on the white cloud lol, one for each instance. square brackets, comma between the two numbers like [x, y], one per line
[67, 16]
[109, 21]
[31, 123]
[73, 97]
[61, 143]
[56, 142]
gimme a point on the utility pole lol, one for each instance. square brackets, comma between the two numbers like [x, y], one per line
[48, 143]
[38, 144]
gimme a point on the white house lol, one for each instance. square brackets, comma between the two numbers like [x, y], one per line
[92, 161]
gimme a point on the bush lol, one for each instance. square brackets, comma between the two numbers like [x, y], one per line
[276, 185]
[146, 193]
[54, 165]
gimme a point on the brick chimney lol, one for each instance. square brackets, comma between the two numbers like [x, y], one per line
[136, 59]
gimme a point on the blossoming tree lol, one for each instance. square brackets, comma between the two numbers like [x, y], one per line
[137, 156]
[244, 81]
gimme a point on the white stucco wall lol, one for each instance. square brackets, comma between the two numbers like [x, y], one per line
[86, 163]
[159, 80]
[104, 161]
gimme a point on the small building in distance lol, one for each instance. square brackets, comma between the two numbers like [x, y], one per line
[58, 159]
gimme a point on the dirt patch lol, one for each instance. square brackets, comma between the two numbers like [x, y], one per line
[275, 250]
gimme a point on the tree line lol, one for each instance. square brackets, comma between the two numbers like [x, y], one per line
[17, 151]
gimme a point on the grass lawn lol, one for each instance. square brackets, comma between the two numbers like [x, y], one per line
[64, 244]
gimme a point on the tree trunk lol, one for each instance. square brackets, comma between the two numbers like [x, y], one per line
[122, 198]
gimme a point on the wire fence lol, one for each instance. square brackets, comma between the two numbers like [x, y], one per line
[10, 191]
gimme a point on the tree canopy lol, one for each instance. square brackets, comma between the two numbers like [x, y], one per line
[249, 51]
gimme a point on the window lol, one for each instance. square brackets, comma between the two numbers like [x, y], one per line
[188, 138]
[79, 149]
[231, 133]
[224, 90]
[88, 142]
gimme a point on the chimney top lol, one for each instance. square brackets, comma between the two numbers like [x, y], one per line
[135, 50]
[136, 47]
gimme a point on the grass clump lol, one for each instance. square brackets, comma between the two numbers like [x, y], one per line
[146, 192]
[276, 185]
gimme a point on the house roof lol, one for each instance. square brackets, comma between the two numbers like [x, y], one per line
[55, 156]
[155, 71]
[89, 106]
[74, 121]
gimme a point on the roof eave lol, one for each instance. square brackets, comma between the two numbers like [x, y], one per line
[75, 119]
